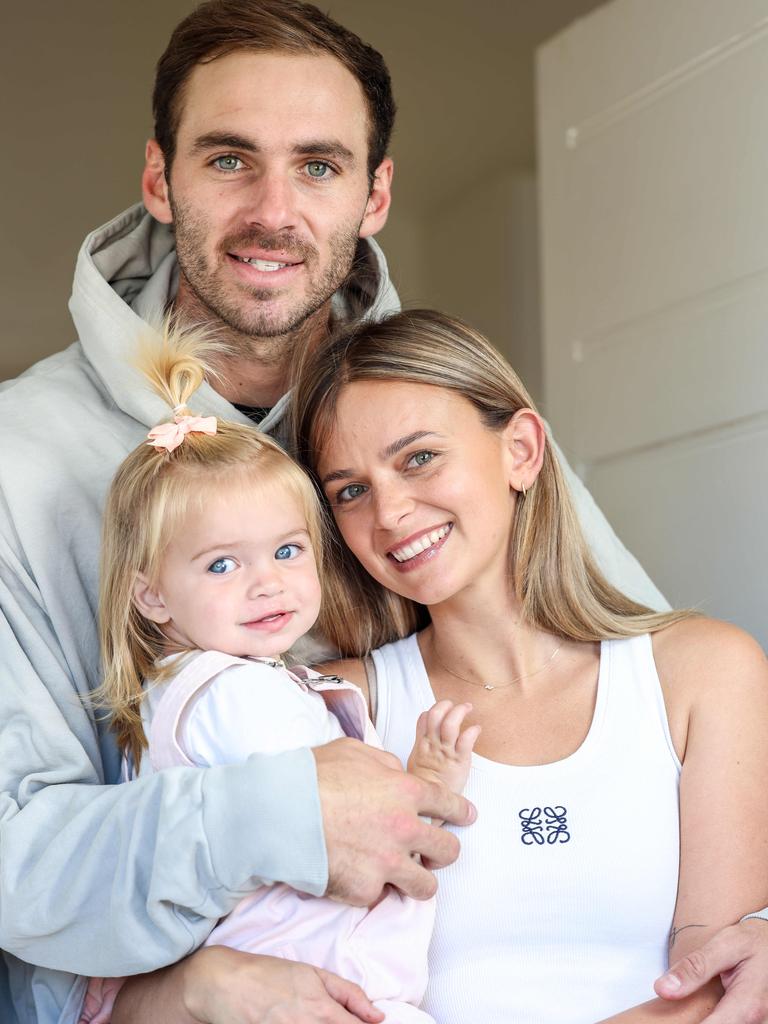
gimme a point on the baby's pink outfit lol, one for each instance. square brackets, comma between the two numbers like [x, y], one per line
[383, 949]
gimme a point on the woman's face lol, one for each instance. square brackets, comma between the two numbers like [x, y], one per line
[420, 490]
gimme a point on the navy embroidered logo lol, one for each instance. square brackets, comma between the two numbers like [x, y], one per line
[556, 824]
[551, 829]
[530, 818]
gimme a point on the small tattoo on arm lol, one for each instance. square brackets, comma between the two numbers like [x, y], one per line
[676, 931]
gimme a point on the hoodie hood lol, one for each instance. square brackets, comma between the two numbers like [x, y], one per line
[125, 277]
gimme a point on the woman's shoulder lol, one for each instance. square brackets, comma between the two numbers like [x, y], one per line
[708, 657]
[706, 643]
[714, 676]
[352, 669]
[356, 670]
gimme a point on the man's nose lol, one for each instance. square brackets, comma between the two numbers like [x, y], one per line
[272, 202]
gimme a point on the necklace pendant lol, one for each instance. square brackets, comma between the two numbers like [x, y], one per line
[487, 686]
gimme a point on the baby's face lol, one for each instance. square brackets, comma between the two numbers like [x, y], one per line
[239, 575]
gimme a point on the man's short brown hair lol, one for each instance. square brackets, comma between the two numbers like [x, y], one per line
[219, 27]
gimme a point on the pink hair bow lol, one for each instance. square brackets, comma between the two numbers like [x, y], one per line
[170, 435]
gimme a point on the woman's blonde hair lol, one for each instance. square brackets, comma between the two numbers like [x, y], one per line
[149, 496]
[552, 572]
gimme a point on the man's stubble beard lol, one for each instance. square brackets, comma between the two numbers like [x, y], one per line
[261, 332]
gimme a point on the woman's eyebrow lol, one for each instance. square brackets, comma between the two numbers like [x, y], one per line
[403, 442]
[386, 453]
[337, 474]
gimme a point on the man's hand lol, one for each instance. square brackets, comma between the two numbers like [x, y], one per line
[739, 954]
[218, 985]
[371, 811]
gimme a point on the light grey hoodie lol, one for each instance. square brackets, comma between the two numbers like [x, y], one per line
[95, 878]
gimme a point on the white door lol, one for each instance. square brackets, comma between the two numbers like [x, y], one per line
[653, 155]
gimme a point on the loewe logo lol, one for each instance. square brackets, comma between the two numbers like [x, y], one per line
[552, 829]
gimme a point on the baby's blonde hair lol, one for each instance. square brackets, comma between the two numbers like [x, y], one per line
[148, 499]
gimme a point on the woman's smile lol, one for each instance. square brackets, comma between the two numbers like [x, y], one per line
[420, 547]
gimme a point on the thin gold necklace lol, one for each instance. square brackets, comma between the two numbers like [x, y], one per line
[497, 686]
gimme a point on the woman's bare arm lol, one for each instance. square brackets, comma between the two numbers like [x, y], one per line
[715, 679]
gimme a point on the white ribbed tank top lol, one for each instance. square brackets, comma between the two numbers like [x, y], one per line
[560, 905]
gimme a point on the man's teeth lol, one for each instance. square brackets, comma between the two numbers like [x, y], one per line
[267, 265]
[419, 545]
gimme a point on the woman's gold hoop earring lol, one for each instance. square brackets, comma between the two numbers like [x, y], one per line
[523, 490]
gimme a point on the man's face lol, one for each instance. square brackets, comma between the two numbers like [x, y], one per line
[269, 188]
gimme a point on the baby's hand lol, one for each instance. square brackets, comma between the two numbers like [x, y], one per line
[442, 751]
[100, 1000]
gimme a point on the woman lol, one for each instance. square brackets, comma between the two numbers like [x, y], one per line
[621, 766]
[622, 763]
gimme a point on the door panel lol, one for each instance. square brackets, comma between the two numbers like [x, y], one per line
[653, 149]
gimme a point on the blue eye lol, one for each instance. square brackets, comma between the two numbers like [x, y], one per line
[222, 566]
[228, 162]
[350, 492]
[421, 458]
[318, 169]
[287, 551]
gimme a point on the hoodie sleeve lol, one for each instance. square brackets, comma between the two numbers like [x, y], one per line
[119, 879]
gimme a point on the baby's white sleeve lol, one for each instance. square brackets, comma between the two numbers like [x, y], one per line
[249, 709]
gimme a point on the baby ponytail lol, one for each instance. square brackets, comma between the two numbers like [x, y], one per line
[177, 360]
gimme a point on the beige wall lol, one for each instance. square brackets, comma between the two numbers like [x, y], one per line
[75, 78]
[483, 266]
[475, 255]
[655, 242]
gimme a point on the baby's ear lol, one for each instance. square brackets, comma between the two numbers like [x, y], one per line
[149, 600]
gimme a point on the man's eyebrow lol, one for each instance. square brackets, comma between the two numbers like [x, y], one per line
[330, 148]
[386, 453]
[228, 140]
[324, 147]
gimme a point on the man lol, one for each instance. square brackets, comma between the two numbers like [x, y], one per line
[264, 185]
[271, 166]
